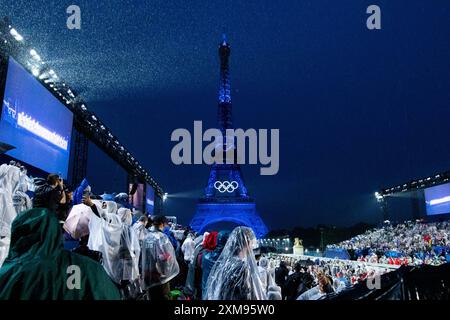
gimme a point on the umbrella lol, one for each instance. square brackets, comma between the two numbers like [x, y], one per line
[77, 223]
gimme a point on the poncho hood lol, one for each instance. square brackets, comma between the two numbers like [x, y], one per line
[35, 234]
[38, 267]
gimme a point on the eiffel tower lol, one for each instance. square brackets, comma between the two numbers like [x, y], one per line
[226, 198]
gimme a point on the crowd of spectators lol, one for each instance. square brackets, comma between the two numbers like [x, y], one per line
[58, 242]
[314, 279]
[409, 243]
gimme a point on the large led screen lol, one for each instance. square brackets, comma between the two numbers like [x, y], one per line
[37, 124]
[437, 199]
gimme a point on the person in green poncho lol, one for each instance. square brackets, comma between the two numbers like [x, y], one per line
[38, 267]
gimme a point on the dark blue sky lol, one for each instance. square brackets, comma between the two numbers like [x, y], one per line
[356, 109]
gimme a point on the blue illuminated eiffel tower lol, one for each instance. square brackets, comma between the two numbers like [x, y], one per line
[226, 198]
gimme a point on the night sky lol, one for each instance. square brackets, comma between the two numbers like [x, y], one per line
[356, 109]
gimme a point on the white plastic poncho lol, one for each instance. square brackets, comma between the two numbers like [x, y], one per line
[111, 207]
[9, 184]
[100, 207]
[140, 231]
[188, 248]
[159, 264]
[125, 215]
[235, 274]
[105, 206]
[264, 273]
[118, 244]
[21, 200]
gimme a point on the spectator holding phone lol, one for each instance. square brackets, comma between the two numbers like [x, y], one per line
[50, 194]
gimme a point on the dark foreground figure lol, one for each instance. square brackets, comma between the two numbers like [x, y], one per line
[39, 268]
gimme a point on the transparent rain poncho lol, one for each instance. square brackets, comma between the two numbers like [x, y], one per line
[159, 264]
[111, 207]
[125, 215]
[21, 200]
[140, 231]
[9, 185]
[264, 274]
[118, 244]
[10, 177]
[235, 274]
[101, 206]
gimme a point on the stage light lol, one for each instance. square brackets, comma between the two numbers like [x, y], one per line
[35, 72]
[94, 118]
[35, 55]
[83, 107]
[165, 196]
[15, 34]
[286, 248]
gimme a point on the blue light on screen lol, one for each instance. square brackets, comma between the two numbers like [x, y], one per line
[35, 122]
[437, 199]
